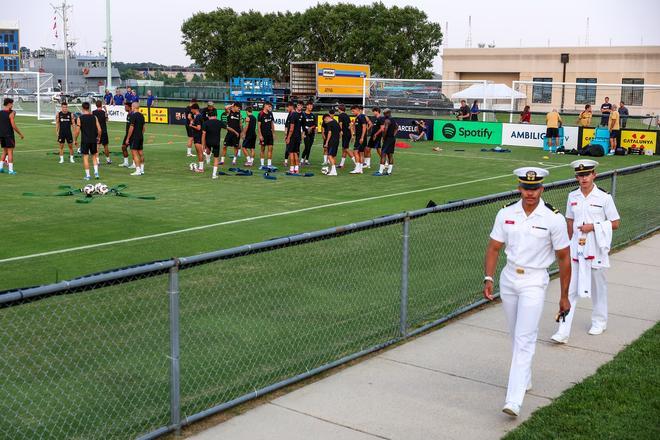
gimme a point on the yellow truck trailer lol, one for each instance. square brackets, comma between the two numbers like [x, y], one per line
[325, 81]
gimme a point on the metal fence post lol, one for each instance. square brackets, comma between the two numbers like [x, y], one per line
[613, 186]
[403, 315]
[175, 398]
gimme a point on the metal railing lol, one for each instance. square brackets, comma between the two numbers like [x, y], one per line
[145, 350]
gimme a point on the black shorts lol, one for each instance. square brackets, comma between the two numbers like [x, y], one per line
[65, 137]
[189, 131]
[137, 144]
[268, 139]
[614, 134]
[346, 141]
[552, 132]
[231, 140]
[333, 149]
[374, 143]
[294, 146]
[249, 142]
[197, 138]
[104, 138]
[7, 142]
[215, 149]
[88, 148]
[388, 146]
[359, 146]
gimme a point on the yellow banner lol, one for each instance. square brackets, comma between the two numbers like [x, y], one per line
[159, 115]
[145, 113]
[639, 139]
[338, 79]
[587, 136]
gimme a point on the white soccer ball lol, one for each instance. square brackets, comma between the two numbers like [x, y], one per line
[97, 188]
[102, 189]
[193, 166]
[89, 189]
[325, 170]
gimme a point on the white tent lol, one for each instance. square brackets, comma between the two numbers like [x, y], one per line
[492, 92]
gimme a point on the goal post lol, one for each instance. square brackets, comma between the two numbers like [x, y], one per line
[32, 93]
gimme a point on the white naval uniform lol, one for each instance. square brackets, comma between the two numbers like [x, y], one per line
[530, 245]
[596, 207]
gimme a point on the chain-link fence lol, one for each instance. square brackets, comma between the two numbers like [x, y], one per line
[145, 350]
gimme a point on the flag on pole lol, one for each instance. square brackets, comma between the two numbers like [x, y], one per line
[55, 24]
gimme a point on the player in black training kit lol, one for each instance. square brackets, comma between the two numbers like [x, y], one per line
[102, 117]
[324, 127]
[375, 137]
[188, 115]
[124, 143]
[135, 138]
[290, 109]
[233, 136]
[346, 134]
[331, 143]
[249, 136]
[390, 129]
[211, 138]
[195, 126]
[360, 131]
[266, 130]
[7, 140]
[294, 138]
[309, 131]
[63, 128]
[90, 129]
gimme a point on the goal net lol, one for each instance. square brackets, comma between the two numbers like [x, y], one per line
[32, 93]
[570, 98]
[426, 97]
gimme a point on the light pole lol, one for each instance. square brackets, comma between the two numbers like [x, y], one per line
[108, 46]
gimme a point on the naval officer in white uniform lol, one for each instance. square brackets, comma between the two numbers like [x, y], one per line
[532, 233]
[591, 216]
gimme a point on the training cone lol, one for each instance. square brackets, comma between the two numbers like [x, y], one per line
[546, 157]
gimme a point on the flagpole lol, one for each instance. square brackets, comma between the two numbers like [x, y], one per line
[108, 46]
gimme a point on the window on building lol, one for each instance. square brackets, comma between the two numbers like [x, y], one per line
[632, 95]
[542, 94]
[11, 38]
[585, 94]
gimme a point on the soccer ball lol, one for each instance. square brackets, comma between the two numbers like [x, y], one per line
[97, 188]
[193, 166]
[102, 189]
[88, 189]
[325, 170]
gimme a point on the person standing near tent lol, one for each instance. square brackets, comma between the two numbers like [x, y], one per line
[474, 111]
[463, 112]
[552, 121]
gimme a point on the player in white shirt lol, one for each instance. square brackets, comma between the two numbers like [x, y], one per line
[532, 233]
[590, 214]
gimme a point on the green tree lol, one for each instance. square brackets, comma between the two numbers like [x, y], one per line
[396, 42]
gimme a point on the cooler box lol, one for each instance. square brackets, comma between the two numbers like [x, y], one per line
[546, 147]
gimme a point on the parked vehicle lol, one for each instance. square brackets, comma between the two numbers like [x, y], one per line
[20, 95]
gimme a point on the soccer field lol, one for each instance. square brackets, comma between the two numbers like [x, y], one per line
[47, 239]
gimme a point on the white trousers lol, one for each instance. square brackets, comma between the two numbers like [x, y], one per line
[598, 298]
[522, 299]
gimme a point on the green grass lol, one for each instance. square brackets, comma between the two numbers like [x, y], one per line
[94, 364]
[620, 401]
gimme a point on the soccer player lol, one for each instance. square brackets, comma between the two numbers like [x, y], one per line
[324, 127]
[63, 127]
[7, 140]
[375, 137]
[390, 129]
[196, 130]
[102, 117]
[346, 134]
[90, 129]
[107, 97]
[331, 143]
[233, 136]
[118, 99]
[249, 136]
[360, 130]
[124, 143]
[135, 138]
[211, 130]
[309, 131]
[189, 118]
[290, 110]
[266, 130]
[294, 137]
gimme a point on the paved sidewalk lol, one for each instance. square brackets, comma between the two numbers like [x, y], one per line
[450, 384]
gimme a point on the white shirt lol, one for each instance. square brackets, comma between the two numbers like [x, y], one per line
[530, 241]
[597, 206]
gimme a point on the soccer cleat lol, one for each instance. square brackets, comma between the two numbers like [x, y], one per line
[2, 170]
[222, 162]
[136, 173]
[108, 161]
[378, 174]
[86, 178]
[597, 329]
[132, 166]
[96, 176]
[355, 171]
[559, 338]
[61, 160]
[11, 173]
[71, 160]
[199, 170]
[189, 155]
[214, 177]
[332, 173]
[123, 165]
[511, 409]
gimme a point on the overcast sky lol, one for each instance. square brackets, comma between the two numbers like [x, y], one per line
[149, 30]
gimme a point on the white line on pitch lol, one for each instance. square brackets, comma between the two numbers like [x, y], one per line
[260, 217]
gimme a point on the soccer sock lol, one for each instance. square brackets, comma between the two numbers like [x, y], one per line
[343, 160]
[142, 168]
[389, 169]
[381, 168]
[96, 169]
[262, 162]
[201, 165]
[87, 172]
[292, 169]
[11, 166]
[61, 157]
[333, 169]
[368, 161]
[296, 168]
[222, 159]
[133, 163]
[2, 164]
[215, 171]
[325, 158]
[189, 150]
[270, 162]
[353, 159]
